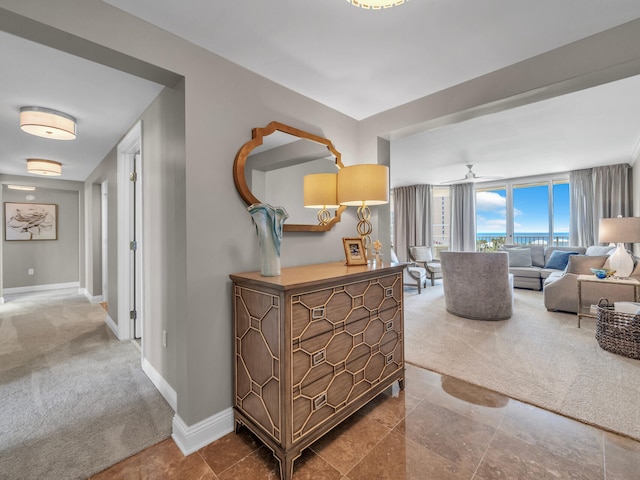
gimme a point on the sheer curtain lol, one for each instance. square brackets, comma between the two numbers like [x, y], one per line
[600, 192]
[411, 218]
[463, 217]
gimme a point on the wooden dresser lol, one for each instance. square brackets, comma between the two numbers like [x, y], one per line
[312, 346]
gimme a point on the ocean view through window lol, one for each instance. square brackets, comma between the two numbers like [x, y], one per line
[532, 213]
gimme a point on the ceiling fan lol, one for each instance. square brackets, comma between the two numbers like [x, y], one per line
[470, 176]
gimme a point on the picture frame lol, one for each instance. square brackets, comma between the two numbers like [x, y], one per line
[30, 221]
[354, 251]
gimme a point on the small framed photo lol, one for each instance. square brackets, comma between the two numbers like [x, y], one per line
[354, 251]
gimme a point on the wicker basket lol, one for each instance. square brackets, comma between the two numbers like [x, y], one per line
[618, 332]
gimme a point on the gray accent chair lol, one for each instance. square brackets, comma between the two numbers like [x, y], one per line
[422, 255]
[412, 274]
[477, 285]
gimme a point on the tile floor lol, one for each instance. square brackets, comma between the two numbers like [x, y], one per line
[437, 428]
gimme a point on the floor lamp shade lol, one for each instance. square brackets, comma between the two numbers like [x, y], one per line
[363, 184]
[620, 230]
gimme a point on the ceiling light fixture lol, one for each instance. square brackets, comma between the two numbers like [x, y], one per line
[47, 123]
[39, 166]
[28, 188]
[375, 4]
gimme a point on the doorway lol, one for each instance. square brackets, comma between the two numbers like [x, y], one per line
[130, 255]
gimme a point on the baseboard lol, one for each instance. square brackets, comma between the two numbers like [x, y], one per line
[191, 438]
[112, 325]
[38, 288]
[161, 384]
[92, 299]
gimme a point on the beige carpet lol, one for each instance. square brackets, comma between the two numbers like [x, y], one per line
[538, 357]
[74, 400]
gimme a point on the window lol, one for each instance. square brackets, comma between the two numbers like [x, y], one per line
[523, 213]
[491, 218]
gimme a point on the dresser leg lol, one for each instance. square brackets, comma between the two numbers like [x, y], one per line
[286, 467]
[238, 426]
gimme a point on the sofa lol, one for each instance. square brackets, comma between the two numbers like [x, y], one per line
[531, 265]
[560, 290]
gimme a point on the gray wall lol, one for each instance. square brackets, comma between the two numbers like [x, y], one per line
[106, 171]
[223, 103]
[53, 261]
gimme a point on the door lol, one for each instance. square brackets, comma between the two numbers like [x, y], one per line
[135, 261]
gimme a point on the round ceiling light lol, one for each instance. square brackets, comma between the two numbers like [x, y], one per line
[376, 4]
[47, 123]
[39, 166]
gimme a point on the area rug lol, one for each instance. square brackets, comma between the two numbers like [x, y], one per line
[74, 399]
[538, 357]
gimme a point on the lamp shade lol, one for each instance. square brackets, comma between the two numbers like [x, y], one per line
[39, 166]
[47, 123]
[363, 184]
[619, 230]
[320, 190]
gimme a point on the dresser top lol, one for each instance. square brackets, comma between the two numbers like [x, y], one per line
[296, 277]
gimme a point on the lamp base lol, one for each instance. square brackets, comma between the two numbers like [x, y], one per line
[621, 261]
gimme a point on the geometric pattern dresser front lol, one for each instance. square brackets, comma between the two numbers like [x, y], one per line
[312, 346]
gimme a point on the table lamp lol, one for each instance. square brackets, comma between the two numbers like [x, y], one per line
[620, 230]
[363, 185]
[320, 191]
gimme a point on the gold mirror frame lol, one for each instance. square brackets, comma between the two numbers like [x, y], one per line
[257, 135]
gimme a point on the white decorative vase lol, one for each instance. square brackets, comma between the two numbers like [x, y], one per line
[269, 222]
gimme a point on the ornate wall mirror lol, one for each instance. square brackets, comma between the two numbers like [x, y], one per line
[270, 168]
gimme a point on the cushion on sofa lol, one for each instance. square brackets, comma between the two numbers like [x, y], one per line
[537, 255]
[559, 259]
[582, 264]
[530, 272]
[519, 257]
[596, 250]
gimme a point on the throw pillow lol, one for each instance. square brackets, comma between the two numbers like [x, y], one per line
[559, 259]
[600, 250]
[582, 264]
[537, 255]
[519, 257]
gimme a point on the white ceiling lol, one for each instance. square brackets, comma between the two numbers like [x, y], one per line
[104, 101]
[360, 62]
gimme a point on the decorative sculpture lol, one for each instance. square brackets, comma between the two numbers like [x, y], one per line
[269, 222]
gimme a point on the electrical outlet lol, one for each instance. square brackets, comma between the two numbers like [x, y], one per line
[30, 271]
[164, 338]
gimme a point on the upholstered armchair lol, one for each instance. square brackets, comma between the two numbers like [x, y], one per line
[477, 285]
[413, 274]
[422, 256]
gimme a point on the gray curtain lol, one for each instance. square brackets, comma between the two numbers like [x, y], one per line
[411, 218]
[581, 223]
[600, 192]
[463, 217]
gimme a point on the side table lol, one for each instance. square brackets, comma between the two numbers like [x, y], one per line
[585, 310]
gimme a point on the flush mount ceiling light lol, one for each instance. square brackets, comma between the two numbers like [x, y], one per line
[28, 188]
[376, 4]
[47, 123]
[39, 166]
